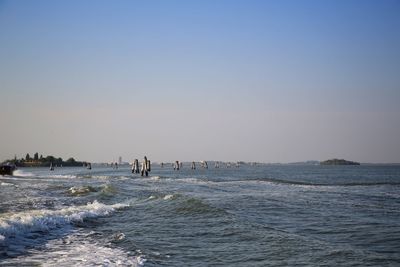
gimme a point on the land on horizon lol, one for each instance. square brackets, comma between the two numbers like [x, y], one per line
[41, 161]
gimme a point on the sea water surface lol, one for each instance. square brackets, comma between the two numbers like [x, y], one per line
[265, 215]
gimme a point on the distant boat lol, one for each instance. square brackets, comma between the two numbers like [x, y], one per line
[7, 169]
[51, 167]
[89, 166]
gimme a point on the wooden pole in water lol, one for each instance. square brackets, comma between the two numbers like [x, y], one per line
[176, 166]
[135, 166]
[145, 167]
[148, 166]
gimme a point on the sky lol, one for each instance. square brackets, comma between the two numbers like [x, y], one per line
[266, 81]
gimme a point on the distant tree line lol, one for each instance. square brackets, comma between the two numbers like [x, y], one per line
[338, 162]
[40, 161]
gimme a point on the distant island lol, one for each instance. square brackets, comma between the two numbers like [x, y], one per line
[40, 161]
[338, 162]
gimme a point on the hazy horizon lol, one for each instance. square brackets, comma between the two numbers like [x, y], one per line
[263, 81]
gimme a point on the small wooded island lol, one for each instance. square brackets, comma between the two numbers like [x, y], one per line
[40, 161]
[338, 162]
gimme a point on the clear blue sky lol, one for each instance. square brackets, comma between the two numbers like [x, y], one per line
[270, 81]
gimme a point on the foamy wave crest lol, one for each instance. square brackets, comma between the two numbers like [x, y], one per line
[63, 176]
[6, 184]
[22, 223]
[21, 173]
[100, 177]
[167, 197]
[92, 255]
[119, 236]
[81, 190]
[163, 197]
[78, 252]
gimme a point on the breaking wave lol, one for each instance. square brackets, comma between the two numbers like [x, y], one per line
[75, 251]
[63, 176]
[81, 190]
[6, 184]
[42, 221]
[86, 189]
[21, 173]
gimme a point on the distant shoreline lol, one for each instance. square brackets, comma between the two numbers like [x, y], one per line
[40, 161]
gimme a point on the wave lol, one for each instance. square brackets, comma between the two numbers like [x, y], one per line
[194, 206]
[304, 183]
[106, 189]
[77, 250]
[164, 197]
[167, 197]
[6, 184]
[191, 180]
[187, 205]
[66, 176]
[80, 176]
[191, 205]
[42, 221]
[119, 236]
[81, 190]
[21, 173]
[88, 176]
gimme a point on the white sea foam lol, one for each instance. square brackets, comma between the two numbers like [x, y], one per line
[119, 236]
[167, 197]
[6, 184]
[190, 181]
[89, 254]
[18, 224]
[81, 190]
[21, 173]
[100, 177]
[63, 176]
[79, 252]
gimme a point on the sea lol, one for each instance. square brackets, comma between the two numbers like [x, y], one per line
[252, 215]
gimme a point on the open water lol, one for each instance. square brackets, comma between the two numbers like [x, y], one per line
[267, 215]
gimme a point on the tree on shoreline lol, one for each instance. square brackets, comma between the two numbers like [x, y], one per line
[41, 161]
